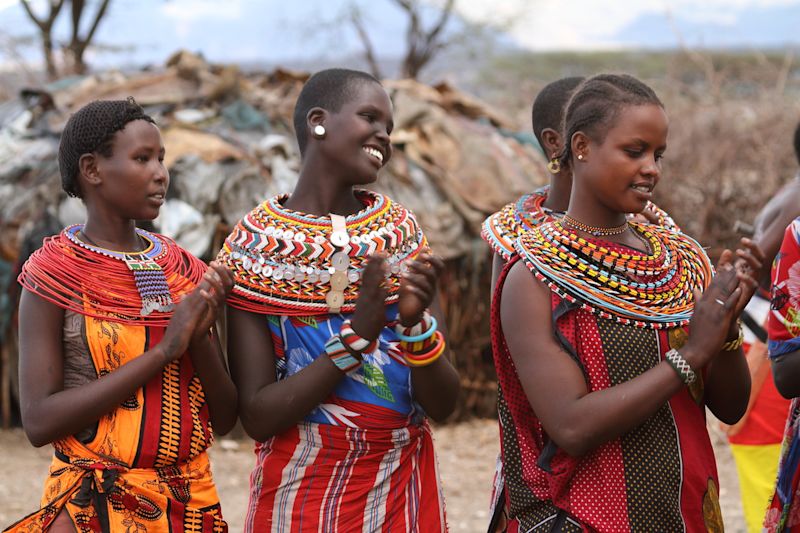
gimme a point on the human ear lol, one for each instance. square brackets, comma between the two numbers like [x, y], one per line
[87, 169]
[579, 145]
[551, 142]
[315, 122]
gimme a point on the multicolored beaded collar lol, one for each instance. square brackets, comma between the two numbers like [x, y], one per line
[290, 263]
[502, 229]
[138, 287]
[615, 282]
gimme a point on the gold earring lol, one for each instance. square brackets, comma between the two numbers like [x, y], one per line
[554, 166]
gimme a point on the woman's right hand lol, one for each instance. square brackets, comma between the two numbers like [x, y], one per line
[369, 316]
[714, 311]
[196, 312]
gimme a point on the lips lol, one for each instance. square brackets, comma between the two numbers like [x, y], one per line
[158, 197]
[374, 152]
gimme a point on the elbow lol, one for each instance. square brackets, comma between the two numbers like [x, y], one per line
[255, 425]
[787, 387]
[574, 440]
[37, 436]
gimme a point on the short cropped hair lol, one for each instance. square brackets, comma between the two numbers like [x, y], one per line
[595, 104]
[329, 89]
[92, 129]
[548, 107]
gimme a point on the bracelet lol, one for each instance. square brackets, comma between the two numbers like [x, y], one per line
[681, 366]
[340, 355]
[425, 359]
[354, 342]
[428, 333]
[736, 343]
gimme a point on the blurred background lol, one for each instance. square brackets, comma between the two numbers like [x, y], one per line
[221, 78]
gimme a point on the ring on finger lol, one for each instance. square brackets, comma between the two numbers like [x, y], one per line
[720, 302]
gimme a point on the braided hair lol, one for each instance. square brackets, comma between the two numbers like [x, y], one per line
[595, 104]
[548, 107]
[329, 89]
[92, 129]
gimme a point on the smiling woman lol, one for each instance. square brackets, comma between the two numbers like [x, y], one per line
[603, 378]
[336, 356]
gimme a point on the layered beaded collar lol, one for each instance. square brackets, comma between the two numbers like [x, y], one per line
[130, 287]
[615, 282]
[502, 229]
[291, 263]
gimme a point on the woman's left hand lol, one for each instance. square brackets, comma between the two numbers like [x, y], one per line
[747, 262]
[418, 287]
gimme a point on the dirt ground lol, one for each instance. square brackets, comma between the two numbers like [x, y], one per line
[466, 454]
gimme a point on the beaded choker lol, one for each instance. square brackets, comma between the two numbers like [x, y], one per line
[595, 231]
[138, 287]
[291, 263]
[615, 282]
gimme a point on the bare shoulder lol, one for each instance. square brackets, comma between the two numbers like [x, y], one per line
[525, 301]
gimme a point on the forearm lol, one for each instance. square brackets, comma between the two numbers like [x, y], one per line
[66, 412]
[727, 386]
[436, 387]
[276, 407]
[598, 417]
[220, 392]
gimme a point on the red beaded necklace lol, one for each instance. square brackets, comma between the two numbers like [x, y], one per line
[101, 283]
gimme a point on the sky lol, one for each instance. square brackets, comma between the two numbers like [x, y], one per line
[275, 31]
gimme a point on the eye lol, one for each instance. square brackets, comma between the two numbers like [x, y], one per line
[659, 156]
[634, 152]
[370, 117]
[141, 158]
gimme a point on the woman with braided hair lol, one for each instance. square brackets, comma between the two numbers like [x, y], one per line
[336, 358]
[610, 338]
[119, 367]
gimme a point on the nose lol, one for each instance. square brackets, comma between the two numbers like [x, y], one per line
[651, 167]
[160, 173]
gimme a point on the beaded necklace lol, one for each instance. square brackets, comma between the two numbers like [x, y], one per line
[501, 229]
[596, 231]
[647, 290]
[291, 263]
[131, 287]
[504, 227]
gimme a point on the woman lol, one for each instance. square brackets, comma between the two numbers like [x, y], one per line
[118, 367]
[336, 358]
[603, 387]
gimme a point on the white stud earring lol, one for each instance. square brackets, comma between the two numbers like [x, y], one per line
[319, 130]
[580, 157]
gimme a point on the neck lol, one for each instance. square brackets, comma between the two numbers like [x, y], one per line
[559, 193]
[120, 237]
[316, 194]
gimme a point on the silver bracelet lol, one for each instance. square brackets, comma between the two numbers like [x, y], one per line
[681, 366]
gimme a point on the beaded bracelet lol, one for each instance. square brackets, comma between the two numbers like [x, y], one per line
[354, 341]
[428, 333]
[425, 359]
[340, 355]
[681, 366]
[736, 343]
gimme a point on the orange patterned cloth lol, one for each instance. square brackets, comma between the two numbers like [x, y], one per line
[145, 467]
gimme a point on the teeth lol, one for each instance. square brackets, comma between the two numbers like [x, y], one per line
[374, 153]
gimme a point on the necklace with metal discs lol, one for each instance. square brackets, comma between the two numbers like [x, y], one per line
[309, 264]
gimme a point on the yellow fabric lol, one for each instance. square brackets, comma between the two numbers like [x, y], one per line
[757, 467]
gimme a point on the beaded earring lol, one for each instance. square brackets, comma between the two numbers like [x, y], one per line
[554, 166]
